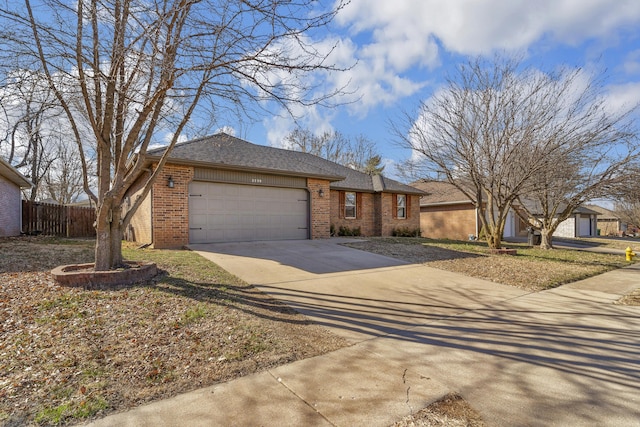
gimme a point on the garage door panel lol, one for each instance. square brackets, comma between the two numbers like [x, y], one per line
[232, 212]
[584, 227]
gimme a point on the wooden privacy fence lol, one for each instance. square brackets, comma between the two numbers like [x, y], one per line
[57, 220]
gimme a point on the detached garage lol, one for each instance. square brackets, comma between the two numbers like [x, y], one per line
[582, 223]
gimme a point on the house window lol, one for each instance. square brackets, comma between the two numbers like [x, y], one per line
[349, 205]
[401, 206]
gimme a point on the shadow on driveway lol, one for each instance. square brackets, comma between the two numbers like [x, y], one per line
[311, 256]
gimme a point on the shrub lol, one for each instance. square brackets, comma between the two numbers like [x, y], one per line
[406, 232]
[347, 231]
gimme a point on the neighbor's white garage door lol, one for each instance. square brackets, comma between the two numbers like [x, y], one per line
[585, 227]
[232, 212]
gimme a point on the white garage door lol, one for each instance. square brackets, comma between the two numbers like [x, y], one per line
[240, 213]
[585, 226]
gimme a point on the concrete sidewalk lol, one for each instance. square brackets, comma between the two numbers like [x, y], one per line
[567, 356]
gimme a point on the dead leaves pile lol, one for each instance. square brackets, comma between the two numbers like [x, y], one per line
[70, 354]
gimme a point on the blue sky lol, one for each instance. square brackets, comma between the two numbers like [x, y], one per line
[405, 48]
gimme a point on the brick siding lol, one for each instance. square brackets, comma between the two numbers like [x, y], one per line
[376, 216]
[453, 222]
[170, 219]
[609, 227]
[365, 216]
[389, 223]
[320, 207]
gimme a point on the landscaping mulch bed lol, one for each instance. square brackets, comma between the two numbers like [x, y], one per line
[70, 354]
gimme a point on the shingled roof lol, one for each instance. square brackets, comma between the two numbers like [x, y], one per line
[228, 152]
[440, 193]
[535, 208]
[605, 214]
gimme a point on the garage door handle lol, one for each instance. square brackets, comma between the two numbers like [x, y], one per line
[195, 195]
[191, 228]
[302, 228]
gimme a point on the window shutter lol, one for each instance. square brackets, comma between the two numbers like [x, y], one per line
[407, 199]
[358, 205]
[394, 206]
[341, 203]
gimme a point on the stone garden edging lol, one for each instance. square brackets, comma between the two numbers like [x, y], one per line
[83, 275]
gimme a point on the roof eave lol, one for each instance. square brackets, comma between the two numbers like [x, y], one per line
[13, 175]
[459, 202]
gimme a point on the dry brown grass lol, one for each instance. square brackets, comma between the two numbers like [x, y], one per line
[532, 269]
[632, 299]
[73, 354]
[450, 411]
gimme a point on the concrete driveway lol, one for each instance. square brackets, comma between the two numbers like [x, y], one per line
[561, 357]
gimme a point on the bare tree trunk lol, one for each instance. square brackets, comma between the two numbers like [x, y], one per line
[109, 235]
[494, 240]
[116, 237]
[546, 238]
[103, 254]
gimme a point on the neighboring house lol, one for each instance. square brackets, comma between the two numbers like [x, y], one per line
[608, 223]
[446, 213]
[11, 181]
[581, 223]
[220, 189]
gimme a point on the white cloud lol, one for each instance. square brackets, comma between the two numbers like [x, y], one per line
[167, 137]
[391, 38]
[279, 126]
[631, 63]
[406, 27]
[229, 130]
[622, 97]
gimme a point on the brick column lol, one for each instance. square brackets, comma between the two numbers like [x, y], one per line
[170, 207]
[320, 208]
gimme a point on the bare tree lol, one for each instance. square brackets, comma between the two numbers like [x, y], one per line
[28, 123]
[64, 181]
[628, 210]
[358, 153]
[135, 69]
[498, 128]
[626, 198]
[596, 163]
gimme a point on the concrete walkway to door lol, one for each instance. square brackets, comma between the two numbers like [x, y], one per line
[562, 357]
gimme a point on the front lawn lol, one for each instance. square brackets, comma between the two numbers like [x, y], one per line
[67, 354]
[531, 269]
